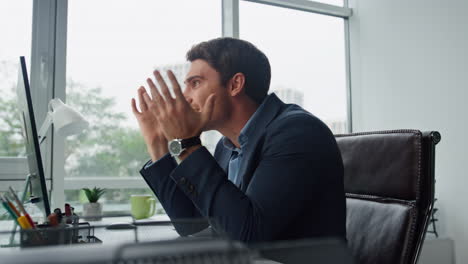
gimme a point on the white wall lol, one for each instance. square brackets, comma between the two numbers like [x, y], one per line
[409, 69]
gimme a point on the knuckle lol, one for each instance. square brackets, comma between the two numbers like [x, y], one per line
[172, 110]
[161, 115]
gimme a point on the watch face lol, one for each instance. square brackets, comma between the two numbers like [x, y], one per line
[175, 147]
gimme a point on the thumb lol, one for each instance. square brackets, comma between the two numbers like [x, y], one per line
[208, 109]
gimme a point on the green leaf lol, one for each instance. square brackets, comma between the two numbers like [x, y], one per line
[94, 194]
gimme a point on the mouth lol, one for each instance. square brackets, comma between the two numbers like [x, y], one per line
[196, 108]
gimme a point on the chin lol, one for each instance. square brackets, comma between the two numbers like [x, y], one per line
[210, 126]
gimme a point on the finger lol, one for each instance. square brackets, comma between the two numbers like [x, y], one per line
[147, 99]
[153, 107]
[152, 87]
[208, 109]
[134, 108]
[163, 85]
[141, 91]
[155, 93]
[175, 85]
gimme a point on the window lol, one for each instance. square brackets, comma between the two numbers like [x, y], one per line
[114, 200]
[111, 47]
[108, 59]
[16, 32]
[331, 2]
[308, 63]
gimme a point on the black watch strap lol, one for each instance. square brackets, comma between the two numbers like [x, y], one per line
[189, 142]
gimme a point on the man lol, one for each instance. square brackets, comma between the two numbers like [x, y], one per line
[277, 173]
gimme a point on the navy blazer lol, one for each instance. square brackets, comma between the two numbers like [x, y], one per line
[291, 181]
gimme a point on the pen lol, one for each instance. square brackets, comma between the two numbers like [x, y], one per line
[67, 210]
[9, 210]
[21, 207]
[68, 218]
[23, 222]
[11, 206]
[58, 212]
[53, 219]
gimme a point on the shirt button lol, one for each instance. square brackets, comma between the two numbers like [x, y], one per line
[183, 180]
[191, 188]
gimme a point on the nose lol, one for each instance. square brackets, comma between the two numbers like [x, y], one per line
[187, 96]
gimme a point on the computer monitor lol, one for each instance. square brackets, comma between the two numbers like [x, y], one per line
[37, 181]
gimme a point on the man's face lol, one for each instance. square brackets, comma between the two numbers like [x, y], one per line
[201, 81]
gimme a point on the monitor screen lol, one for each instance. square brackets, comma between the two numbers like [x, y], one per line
[38, 188]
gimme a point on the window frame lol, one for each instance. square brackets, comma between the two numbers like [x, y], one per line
[44, 78]
[48, 62]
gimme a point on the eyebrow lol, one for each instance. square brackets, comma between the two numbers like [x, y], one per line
[192, 77]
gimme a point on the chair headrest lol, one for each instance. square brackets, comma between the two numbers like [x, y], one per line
[383, 164]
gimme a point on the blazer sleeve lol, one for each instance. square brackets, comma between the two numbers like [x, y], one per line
[293, 157]
[176, 204]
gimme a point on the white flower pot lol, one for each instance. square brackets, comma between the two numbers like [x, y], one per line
[92, 211]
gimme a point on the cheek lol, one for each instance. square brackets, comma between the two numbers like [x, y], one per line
[222, 109]
[198, 101]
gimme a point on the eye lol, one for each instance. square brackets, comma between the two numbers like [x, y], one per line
[195, 83]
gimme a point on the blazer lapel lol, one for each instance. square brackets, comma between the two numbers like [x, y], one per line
[223, 158]
[251, 151]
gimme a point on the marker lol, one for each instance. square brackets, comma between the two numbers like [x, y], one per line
[9, 210]
[5, 197]
[21, 207]
[58, 212]
[53, 219]
[23, 222]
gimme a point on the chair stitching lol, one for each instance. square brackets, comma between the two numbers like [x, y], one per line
[396, 131]
[379, 199]
[410, 235]
[418, 198]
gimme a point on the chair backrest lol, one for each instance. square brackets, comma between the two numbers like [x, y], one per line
[389, 185]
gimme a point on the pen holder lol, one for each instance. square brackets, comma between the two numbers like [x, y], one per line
[46, 236]
[64, 234]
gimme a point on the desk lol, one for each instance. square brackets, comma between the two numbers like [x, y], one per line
[162, 232]
[112, 243]
[111, 247]
[113, 240]
[143, 233]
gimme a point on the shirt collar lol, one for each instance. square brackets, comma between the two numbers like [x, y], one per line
[228, 144]
[255, 123]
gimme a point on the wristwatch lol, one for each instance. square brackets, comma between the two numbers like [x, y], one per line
[177, 146]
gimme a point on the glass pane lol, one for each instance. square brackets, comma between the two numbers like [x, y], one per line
[114, 200]
[308, 63]
[330, 2]
[16, 32]
[108, 59]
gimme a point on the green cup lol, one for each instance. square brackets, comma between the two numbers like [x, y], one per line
[143, 206]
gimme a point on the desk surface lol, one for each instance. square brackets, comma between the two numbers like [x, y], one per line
[143, 233]
[95, 253]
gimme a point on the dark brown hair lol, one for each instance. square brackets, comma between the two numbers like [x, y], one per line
[229, 56]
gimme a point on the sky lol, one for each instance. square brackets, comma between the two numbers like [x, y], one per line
[117, 44]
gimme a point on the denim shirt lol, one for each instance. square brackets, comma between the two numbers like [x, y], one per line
[236, 157]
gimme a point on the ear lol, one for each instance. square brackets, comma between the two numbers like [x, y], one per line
[236, 84]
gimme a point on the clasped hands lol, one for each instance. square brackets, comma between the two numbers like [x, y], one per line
[162, 117]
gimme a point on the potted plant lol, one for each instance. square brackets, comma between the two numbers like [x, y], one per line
[92, 211]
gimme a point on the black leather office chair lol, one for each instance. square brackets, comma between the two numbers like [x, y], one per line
[389, 184]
